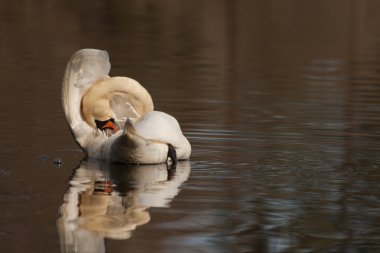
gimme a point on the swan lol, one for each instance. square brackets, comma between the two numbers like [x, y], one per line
[113, 118]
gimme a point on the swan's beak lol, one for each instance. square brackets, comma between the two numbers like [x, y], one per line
[110, 125]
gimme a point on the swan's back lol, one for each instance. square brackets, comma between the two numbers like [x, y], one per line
[159, 126]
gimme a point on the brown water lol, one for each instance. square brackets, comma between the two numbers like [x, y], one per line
[279, 99]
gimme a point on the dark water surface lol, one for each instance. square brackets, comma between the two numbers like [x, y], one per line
[279, 99]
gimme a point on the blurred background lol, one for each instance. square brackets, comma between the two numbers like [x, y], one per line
[279, 99]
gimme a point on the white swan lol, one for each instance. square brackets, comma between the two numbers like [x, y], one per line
[112, 118]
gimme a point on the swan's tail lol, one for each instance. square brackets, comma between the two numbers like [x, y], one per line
[129, 128]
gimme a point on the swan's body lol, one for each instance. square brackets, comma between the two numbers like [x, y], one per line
[90, 96]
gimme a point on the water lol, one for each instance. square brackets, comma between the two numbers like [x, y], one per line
[280, 101]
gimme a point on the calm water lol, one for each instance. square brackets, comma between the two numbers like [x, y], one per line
[279, 99]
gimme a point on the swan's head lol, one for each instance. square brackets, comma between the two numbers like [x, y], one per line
[111, 101]
[100, 110]
[101, 116]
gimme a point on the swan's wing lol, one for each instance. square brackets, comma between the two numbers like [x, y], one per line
[85, 67]
[159, 126]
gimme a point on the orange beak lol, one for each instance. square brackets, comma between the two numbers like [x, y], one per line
[111, 125]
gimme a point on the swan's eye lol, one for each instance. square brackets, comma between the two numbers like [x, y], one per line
[107, 124]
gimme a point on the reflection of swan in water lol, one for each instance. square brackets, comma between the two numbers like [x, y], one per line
[110, 200]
